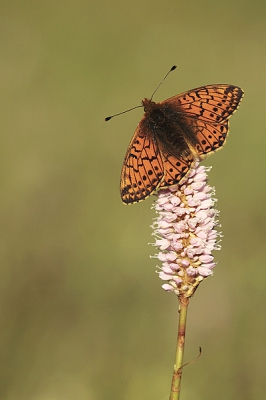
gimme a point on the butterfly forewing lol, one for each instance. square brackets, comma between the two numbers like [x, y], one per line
[142, 169]
[211, 103]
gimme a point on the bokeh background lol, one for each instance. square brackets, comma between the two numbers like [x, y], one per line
[82, 313]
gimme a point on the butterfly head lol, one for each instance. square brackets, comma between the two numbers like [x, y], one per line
[148, 104]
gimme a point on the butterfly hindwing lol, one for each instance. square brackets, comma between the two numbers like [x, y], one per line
[175, 169]
[210, 136]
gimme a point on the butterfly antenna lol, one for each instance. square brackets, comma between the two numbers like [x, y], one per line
[133, 108]
[123, 112]
[172, 69]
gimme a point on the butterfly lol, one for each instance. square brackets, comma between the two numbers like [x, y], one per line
[173, 135]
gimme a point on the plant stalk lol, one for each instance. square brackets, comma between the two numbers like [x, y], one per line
[177, 373]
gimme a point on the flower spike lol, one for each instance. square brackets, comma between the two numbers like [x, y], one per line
[185, 233]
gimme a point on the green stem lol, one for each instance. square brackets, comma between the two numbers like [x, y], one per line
[177, 374]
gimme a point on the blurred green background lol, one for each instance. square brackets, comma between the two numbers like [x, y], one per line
[81, 309]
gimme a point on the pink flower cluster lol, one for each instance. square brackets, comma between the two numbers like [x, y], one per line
[185, 234]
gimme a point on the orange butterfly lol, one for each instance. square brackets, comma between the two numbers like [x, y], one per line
[172, 135]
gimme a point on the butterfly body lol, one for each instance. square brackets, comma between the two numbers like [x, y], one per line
[170, 128]
[172, 135]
